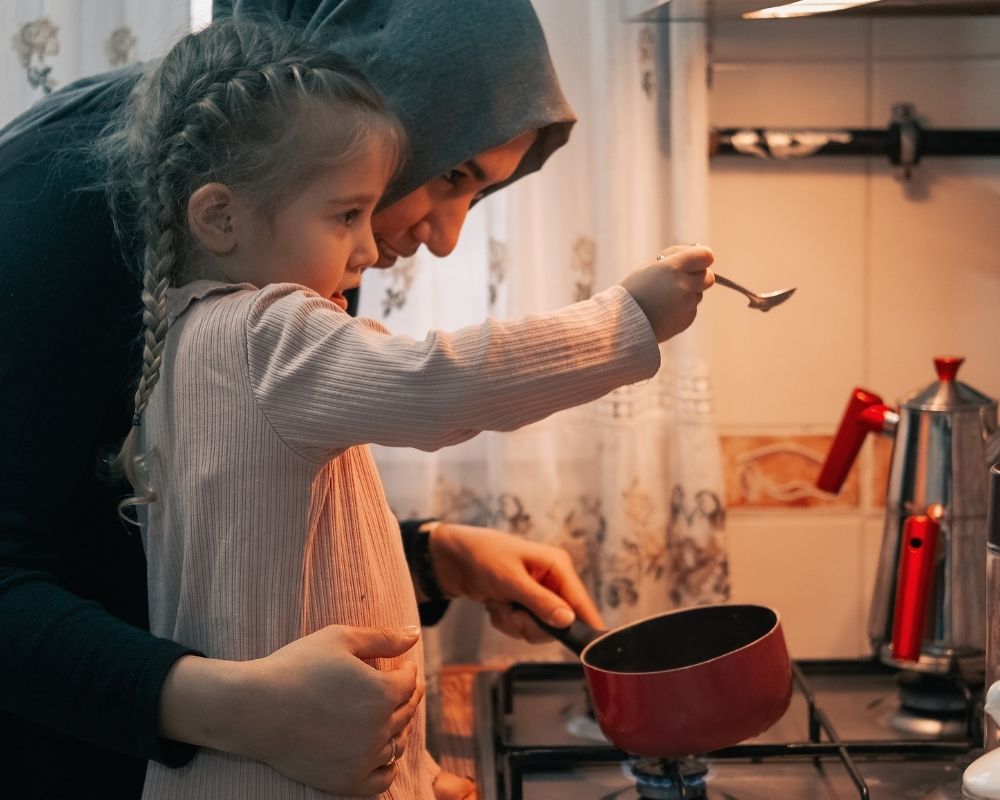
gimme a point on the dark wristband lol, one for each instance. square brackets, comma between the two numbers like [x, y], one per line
[416, 544]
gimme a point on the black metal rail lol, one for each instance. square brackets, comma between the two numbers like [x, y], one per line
[854, 142]
[904, 142]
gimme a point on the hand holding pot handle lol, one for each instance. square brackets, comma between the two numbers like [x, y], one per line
[576, 636]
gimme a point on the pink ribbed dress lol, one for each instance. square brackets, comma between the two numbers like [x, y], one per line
[271, 521]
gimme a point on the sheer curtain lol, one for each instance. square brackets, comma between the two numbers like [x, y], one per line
[631, 484]
[48, 44]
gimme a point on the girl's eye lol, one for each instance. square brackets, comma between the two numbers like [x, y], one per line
[349, 216]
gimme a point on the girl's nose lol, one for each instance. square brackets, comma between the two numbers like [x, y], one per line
[365, 251]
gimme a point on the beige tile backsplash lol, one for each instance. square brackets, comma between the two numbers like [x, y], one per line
[890, 273]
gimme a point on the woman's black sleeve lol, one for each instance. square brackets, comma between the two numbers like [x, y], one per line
[431, 611]
[77, 663]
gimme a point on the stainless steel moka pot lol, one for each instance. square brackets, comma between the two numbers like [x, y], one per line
[928, 608]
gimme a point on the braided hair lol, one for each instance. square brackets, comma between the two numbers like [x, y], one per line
[253, 105]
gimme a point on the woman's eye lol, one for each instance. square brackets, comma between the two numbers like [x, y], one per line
[454, 176]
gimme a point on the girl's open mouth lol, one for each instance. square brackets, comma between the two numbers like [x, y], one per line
[338, 299]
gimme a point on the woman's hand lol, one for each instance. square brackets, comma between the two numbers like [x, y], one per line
[499, 568]
[448, 786]
[313, 710]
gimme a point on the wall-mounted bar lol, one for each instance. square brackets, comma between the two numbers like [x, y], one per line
[904, 142]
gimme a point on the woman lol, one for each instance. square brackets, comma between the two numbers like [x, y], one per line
[88, 695]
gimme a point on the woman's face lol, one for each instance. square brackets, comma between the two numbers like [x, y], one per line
[433, 214]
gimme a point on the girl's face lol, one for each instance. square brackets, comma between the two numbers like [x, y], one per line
[433, 214]
[323, 238]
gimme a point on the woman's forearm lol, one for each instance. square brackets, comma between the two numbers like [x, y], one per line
[200, 702]
[315, 710]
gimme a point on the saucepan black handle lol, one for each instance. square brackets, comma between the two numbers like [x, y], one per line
[576, 636]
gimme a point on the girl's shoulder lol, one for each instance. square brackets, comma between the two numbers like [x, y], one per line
[292, 302]
[181, 299]
[265, 309]
[274, 300]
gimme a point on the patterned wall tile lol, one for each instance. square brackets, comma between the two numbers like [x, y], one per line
[780, 472]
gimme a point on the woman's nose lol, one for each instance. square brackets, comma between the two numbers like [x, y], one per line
[439, 230]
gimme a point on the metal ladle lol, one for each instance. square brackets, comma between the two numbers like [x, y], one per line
[762, 302]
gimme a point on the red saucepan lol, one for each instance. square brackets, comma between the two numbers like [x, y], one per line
[685, 682]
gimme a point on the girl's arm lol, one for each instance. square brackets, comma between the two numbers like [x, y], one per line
[326, 381]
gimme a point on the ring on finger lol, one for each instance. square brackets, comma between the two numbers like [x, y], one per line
[394, 754]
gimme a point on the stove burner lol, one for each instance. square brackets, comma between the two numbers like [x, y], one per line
[669, 779]
[931, 694]
[930, 706]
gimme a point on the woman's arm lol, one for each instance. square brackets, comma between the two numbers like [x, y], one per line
[72, 577]
[499, 569]
[314, 710]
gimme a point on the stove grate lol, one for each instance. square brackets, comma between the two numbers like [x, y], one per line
[824, 743]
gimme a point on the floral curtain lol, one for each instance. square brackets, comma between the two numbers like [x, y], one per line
[630, 484]
[48, 44]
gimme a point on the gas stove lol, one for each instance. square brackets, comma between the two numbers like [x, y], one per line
[854, 729]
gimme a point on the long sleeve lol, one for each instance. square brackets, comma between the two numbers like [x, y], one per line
[326, 381]
[78, 671]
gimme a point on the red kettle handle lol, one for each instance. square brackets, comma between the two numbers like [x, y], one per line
[917, 553]
[865, 412]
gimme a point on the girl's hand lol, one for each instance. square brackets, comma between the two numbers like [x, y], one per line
[313, 710]
[669, 288]
[499, 568]
[448, 786]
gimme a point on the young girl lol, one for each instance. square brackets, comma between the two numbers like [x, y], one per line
[254, 160]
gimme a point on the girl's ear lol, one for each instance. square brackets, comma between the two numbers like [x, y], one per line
[210, 212]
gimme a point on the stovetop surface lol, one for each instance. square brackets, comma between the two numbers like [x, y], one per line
[536, 741]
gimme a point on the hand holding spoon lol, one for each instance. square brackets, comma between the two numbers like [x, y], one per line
[762, 302]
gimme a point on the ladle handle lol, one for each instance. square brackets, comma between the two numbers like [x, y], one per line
[576, 636]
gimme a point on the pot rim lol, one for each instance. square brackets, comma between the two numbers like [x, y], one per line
[687, 610]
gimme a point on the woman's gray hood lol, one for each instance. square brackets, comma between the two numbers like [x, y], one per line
[464, 76]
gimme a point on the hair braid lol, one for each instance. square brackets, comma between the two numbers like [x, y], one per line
[159, 273]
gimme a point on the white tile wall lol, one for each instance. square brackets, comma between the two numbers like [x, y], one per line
[823, 94]
[953, 93]
[836, 40]
[961, 38]
[935, 277]
[813, 575]
[775, 225]
[890, 273]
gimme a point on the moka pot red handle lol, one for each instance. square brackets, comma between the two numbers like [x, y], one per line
[865, 413]
[917, 553]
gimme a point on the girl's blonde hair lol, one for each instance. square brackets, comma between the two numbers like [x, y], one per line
[256, 106]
